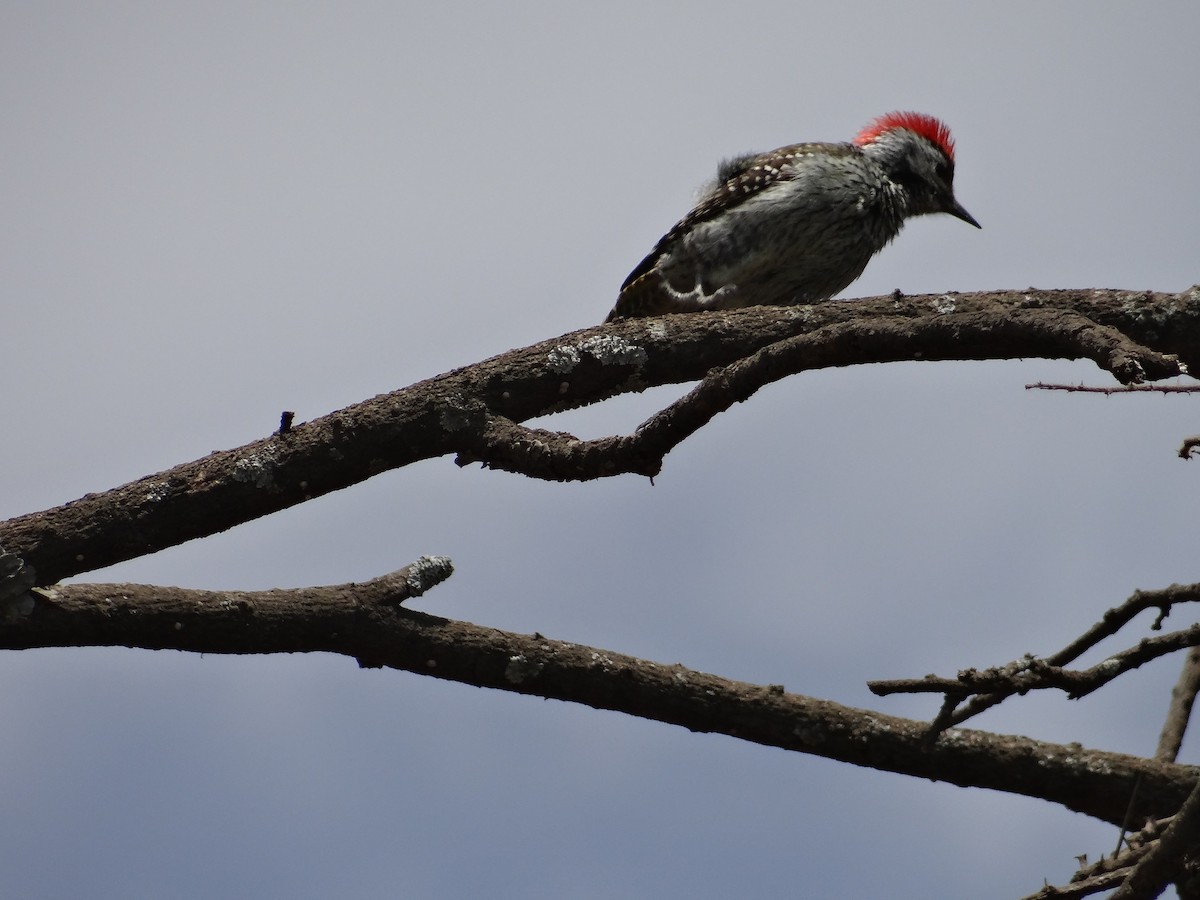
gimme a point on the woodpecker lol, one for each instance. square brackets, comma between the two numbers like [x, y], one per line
[797, 224]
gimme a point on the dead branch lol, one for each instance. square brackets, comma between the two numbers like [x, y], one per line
[1029, 674]
[534, 452]
[1165, 859]
[367, 623]
[1183, 698]
[988, 687]
[1121, 389]
[1109, 871]
[475, 411]
[1105, 881]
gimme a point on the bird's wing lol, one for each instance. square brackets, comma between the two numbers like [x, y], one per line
[738, 180]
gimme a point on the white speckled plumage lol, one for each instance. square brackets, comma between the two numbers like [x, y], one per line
[797, 224]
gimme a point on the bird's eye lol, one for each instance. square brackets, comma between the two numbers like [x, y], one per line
[944, 172]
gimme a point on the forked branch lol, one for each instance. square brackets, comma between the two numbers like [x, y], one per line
[974, 690]
[475, 411]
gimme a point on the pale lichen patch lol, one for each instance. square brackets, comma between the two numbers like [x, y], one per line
[257, 468]
[608, 349]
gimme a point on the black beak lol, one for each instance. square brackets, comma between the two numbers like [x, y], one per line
[955, 209]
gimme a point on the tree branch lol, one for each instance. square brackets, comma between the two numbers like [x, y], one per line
[1030, 674]
[1183, 697]
[988, 687]
[365, 621]
[471, 411]
[1109, 871]
[559, 456]
[1165, 860]
[1119, 389]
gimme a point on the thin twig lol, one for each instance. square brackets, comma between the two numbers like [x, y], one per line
[1155, 870]
[1107, 872]
[1085, 888]
[1117, 389]
[978, 690]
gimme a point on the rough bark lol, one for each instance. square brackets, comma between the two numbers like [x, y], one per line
[475, 411]
[366, 622]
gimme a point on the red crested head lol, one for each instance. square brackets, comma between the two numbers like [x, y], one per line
[934, 130]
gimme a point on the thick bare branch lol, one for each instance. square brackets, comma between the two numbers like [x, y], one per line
[364, 621]
[471, 410]
[559, 456]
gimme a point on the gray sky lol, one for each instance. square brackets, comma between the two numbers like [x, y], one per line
[212, 212]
